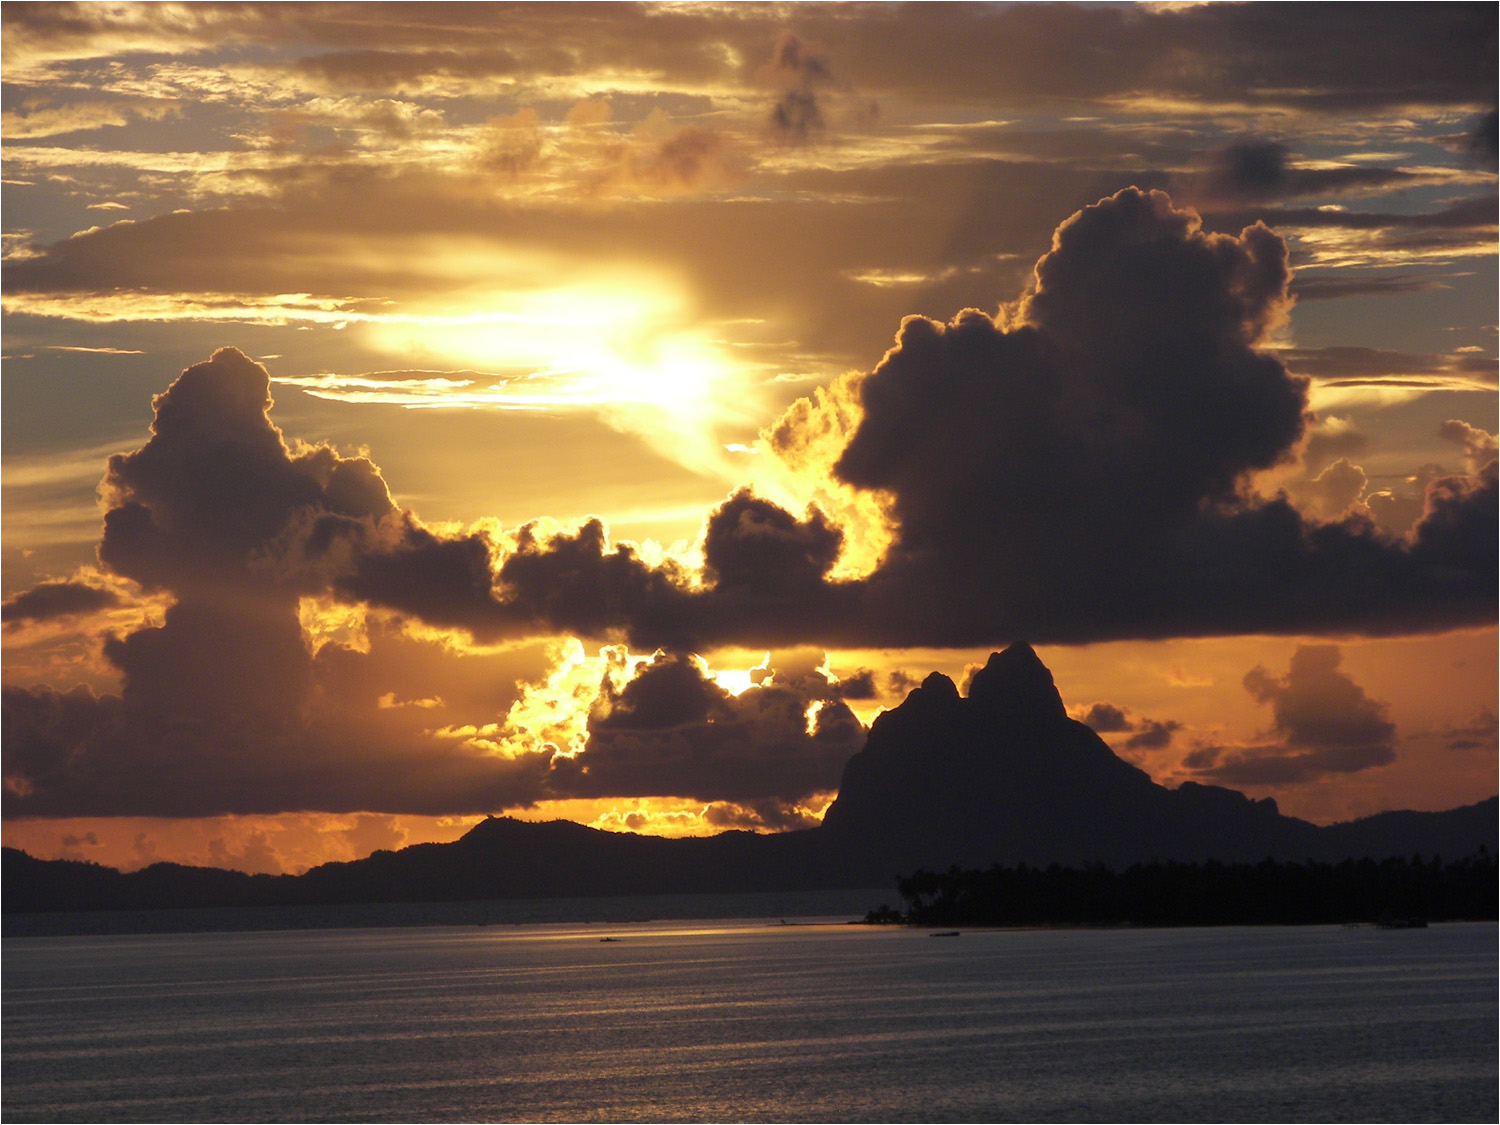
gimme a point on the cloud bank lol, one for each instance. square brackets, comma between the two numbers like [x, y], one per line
[1074, 467]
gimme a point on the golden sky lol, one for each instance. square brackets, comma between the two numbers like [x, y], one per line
[606, 411]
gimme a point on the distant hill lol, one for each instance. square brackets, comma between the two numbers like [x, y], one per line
[1002, 776]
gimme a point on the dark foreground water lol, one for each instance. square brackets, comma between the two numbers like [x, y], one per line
[714, 1021]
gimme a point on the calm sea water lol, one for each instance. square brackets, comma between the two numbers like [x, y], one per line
[750, 1021]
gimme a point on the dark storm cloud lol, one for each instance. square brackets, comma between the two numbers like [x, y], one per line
[1070, 472]
[67, 756]
[757, 816]
[216, 484]
[49, 600]
[668, 692]
[1326, 724]
[220, 710]
[752, 543]
[672, 730]
[859, 686]
[226, 699]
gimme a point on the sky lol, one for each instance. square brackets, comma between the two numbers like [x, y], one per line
[416, 412]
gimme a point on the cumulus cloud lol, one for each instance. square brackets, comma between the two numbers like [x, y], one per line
[1324, 722]
[224, 696]
[1331, 439]
[1479, 446]
[228, 698]
[1074, 468]
[672, 730]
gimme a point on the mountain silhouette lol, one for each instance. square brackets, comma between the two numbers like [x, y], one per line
[1005, 776]
[1002, 776]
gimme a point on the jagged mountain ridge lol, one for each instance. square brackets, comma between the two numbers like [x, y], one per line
[1005, 776]
[1000, 776]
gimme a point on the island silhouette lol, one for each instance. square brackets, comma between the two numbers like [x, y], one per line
[998, 778]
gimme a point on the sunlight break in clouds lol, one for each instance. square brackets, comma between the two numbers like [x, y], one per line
[625, 347]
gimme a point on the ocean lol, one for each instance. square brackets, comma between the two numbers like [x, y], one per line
[752, 1019]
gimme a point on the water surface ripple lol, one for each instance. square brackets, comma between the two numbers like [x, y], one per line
[749, 1021]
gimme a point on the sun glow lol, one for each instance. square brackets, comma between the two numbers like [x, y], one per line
[627, 346]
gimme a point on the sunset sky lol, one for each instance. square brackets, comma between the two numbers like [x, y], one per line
[661, 391]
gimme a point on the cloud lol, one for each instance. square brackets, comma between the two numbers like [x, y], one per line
[1325, 722]
[660, 159]
[1336, 238]
[797, 116]
[224, 696]
[1477, 734]
[54, 120]
[1153, 734]
[1105, 718]
[1480, 143]
[1329, 439]
[405, 71]
[1145, 734]
[1344, 366]
[1479, 446]
[49, 600]
[1315, 704]
[778, 816]
[1072, 469]
[228, 698]
[1201, 58]
[1258, 169]
[1336, 288]
[672, 731]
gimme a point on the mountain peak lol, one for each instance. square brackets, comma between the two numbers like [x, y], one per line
[1016, 686]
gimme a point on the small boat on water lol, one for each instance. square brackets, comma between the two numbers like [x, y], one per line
[945, 933]
[1391, 922]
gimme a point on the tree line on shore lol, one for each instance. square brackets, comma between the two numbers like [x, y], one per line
[1389, 891]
